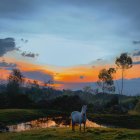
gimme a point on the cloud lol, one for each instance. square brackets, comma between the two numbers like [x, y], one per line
[7, 66]
[25, 54]
[136, 63]
[93, 66]
[38, 75]
[82, 77]
[99, 59]
[137, 53]
[6, 45]
[15, 9]
[24, 40]
[136, 42]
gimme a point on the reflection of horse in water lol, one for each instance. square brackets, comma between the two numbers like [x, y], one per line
[79, 117]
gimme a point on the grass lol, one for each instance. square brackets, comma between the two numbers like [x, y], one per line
[124, 121]
[13, 116]
[67, 134]
[134, 112]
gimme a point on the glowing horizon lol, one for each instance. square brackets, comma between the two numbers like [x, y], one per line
[68, 41]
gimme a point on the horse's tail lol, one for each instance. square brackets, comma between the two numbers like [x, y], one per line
[70, 117]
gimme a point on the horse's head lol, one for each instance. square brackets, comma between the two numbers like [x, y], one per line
[84, 109]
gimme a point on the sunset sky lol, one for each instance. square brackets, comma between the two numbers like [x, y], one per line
[69, 41]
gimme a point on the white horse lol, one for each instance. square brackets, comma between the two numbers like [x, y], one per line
[79, 117]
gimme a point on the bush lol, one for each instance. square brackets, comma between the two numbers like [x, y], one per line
[20, 101]
[67, 103]
[137, 108]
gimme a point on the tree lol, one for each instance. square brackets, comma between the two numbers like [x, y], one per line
[106, 79]
[123, 62]
[15, 80]
[49, 83]
[88, 89]
[137, 107]
[35, 84]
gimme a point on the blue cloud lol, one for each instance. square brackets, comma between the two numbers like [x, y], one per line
[38, 75]
[6, 45]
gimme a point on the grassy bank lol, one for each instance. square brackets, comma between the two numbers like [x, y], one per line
[67, 134]
[12, 116]
[123, 121]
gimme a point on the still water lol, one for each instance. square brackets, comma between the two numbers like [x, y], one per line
[44, 123]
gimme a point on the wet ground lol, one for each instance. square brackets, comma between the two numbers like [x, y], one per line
[45, 123]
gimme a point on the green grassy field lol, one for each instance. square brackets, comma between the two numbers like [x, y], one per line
[67, 134]
[12, 116]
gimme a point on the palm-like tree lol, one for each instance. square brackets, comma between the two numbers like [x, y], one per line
[123, 62]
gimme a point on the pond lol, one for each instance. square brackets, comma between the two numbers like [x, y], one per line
[45, 123]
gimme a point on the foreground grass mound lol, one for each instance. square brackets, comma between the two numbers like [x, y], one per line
[67, 134]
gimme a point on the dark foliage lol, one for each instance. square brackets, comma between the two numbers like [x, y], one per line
[21, 101]
[66, 103]
[3, 100]
[123, 62]
[15, 81]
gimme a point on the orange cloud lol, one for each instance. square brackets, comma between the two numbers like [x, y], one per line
[133, 72]
[4, 74]
[77, 74]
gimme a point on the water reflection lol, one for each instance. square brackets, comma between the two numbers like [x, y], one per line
[93, 124]
[34, 124]
[45, 123]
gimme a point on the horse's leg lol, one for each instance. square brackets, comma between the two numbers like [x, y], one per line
[80, 127]
[73, 126]
[84, 126]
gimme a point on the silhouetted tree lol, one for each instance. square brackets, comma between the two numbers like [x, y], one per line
[106, 79]
[67, 103]
[49, 83]
[15, 80]
[88, 89]
[3, 100]
[22, 101]
[123, 62]
[114, 101]
[35, 84]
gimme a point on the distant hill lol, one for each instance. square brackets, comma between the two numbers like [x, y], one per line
[131, 87]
